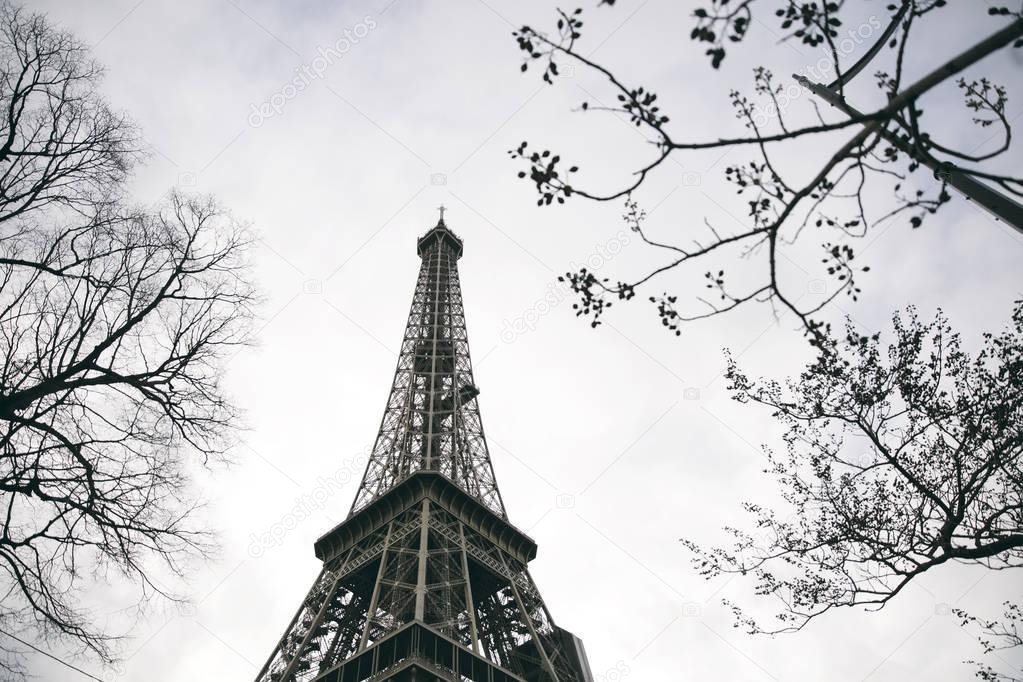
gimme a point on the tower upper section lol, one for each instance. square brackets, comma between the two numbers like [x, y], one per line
[432, 421]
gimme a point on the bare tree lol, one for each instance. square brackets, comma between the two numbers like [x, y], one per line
[897, 462]
[60, 143]
[871, 154]
[114, 324]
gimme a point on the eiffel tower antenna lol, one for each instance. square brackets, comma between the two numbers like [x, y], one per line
[427, 580]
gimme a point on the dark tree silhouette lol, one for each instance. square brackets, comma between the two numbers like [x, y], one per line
[898, 461]
[997, 635]
[933, 474]
[60, 143]
[878, 152]
[114, 321]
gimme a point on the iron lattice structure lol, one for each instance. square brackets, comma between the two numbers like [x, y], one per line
[432, 420]
[426, 580]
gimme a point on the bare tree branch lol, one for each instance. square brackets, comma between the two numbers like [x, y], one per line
[114, 325]
[886, 147]
[898, 462]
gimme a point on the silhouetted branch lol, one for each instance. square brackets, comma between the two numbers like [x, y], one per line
[886, 147]
[898, 461]
[995, 636]
[114, 325]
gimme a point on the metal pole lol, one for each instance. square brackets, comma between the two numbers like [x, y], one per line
[1001, 206]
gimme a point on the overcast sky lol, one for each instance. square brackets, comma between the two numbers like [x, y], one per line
[340, 183]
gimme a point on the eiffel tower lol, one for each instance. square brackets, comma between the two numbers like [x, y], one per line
[427, 580]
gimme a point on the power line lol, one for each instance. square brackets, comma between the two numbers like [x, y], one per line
[46, 653]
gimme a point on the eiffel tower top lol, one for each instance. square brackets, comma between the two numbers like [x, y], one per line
[440, 234]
